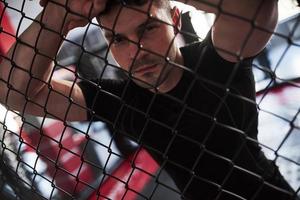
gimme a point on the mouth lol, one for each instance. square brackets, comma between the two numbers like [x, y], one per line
[145, 69]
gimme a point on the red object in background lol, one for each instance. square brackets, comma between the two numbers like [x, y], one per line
[62, 153]
[7, 31]
[130, 178]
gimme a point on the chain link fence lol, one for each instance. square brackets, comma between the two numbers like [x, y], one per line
[211, 136]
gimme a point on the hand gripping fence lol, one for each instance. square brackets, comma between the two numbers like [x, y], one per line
[220, 133]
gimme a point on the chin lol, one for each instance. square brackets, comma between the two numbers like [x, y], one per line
[145, 84]
[150, 83]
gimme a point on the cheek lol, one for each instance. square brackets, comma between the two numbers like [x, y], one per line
[122, 58]
[167, 45]
[161, 42]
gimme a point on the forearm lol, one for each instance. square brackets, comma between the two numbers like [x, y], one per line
[249, 10]
[209, 6]
[28, 64]
[242, 8]
[242, 27]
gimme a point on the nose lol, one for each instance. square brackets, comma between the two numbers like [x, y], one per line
[135, 50]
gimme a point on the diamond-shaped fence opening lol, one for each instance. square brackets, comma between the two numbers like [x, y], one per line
[152, 99]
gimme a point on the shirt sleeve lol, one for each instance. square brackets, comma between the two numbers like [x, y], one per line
[223, 84]
[211, 66]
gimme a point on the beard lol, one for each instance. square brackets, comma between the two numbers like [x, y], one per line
[151, 79]
[151, 71]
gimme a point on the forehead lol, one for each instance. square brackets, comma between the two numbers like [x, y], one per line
[121, 18]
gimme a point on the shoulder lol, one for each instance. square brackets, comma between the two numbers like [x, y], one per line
[103, 84]
[206, 50]
[203, 59]
[103, 98]
[201, 50]
[110, 90]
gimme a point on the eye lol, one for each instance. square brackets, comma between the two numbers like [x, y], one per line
[118, 39]
[150, 27]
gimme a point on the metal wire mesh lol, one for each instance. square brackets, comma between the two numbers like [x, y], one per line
[197, 141]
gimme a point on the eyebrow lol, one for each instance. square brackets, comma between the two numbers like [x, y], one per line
[147, 22]
[109, 34]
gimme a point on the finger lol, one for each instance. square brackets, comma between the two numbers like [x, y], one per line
[98, 4]
[98, 7]
[43, 3]
[87, 8]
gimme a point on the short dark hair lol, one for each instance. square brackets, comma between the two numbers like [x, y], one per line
[111, 3]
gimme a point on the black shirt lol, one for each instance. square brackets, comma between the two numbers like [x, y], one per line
[203, 132]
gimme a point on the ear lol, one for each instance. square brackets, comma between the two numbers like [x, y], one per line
[176, 19]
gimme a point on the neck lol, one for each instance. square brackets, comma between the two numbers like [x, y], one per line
[173, 77]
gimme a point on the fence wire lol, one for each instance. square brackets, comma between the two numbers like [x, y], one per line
[143, 136]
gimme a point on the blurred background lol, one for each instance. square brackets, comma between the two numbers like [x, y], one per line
[47, 154]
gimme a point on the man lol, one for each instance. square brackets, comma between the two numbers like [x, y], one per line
[192, 108]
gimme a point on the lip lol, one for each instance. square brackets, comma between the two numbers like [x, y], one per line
[145, 69]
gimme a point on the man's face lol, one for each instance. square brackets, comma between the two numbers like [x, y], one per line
[143, 45]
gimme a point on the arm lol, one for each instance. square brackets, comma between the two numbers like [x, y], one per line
[242, 27]
[25, 72]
